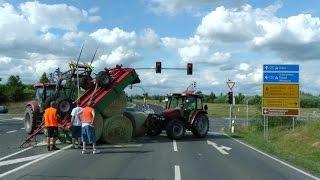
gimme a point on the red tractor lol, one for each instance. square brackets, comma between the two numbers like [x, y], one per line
[183, 111]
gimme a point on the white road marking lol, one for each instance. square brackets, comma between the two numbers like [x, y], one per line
[286, 164]
[15, 153]
[18, 118]
[177, 175]
[32, 162]
[5, 120]
[175, 148]
[11, 131]
[221, 149]
[19, 160]
[22, 128]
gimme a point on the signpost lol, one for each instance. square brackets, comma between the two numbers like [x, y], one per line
[281, 92]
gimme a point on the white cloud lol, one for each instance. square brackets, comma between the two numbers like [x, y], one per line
[149, 39]
[5, 60]
[118, 56]
[115, 37]
[93, 10]
[59, 16]
[202, 54]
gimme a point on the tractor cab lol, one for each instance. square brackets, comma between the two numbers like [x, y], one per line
[183, 105]
[45, 90]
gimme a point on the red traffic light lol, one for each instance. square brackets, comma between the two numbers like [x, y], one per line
[189, 68]
[158, 67]
[230, 97]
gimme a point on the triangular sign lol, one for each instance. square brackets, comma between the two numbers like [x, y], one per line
[230, 84]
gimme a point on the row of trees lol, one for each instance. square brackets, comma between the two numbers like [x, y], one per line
[14, 90]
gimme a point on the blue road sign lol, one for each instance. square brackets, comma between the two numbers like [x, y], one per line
[280, 67]
[277, 77]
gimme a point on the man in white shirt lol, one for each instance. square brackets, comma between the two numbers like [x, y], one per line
[76, 126]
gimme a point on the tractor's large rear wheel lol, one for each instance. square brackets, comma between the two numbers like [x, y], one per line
[29, 120]
[86, 82]
[64, 106]
[200, 127]
[176, 129]
[103, 79]
[47, 102]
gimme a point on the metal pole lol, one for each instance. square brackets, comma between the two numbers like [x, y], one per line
[267, 129]
[247, 114]
[230, 115]
[264, 127]
[293, 123]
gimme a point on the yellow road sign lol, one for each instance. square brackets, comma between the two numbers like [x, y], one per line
[280, 90]
[281, 103]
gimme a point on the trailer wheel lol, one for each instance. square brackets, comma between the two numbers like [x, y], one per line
[86, 82]
[29, 120]
[103, 79]
[200, 127]
[64, 106]
[176, 129]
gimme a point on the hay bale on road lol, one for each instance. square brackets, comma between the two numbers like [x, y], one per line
[117, 129]
[118, 106]
[98, 125]
[137, 119]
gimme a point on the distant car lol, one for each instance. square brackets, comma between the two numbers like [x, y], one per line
[3, 109]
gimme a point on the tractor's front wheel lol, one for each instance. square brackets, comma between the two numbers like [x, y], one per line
[154, 128]
[29, 120]
[200, 127]
[176, 129]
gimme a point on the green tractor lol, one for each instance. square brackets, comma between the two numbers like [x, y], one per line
[61, 90]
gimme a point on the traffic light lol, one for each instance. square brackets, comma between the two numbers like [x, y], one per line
[230, 97]
[158, 67]
[189, 69]
[194, 84]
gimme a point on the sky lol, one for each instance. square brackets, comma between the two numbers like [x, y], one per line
[224, 39]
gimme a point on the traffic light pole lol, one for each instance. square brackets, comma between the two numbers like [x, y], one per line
[230, 101]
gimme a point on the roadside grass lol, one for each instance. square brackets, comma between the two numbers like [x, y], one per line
[16, 107]
[300, 147]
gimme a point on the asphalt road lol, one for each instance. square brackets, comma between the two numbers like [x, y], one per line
[215, 157]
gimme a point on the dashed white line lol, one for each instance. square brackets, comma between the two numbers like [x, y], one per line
[22, 128]
[15, 153]
[11, 131]
[177, 175]
[175, 148]
[32, 162]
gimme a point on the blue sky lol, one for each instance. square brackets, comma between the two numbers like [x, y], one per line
[224, 39]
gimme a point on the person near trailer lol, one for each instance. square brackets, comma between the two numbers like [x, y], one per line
[76, 126]
[51, 124]
[87, 130]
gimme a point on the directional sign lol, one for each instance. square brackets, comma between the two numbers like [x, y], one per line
[281, 103]
[280, 112]
[292, 77]
[281, 91]
[280, 67]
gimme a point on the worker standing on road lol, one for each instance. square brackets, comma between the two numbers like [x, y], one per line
[76, 126]
[87, 130]
[50, 119]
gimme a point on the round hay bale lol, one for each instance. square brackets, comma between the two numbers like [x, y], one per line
[117, 129]
[118, 106]
[137, 119]
[98, 125]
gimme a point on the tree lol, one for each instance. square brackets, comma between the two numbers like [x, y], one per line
[44, 78]
[15, 88]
